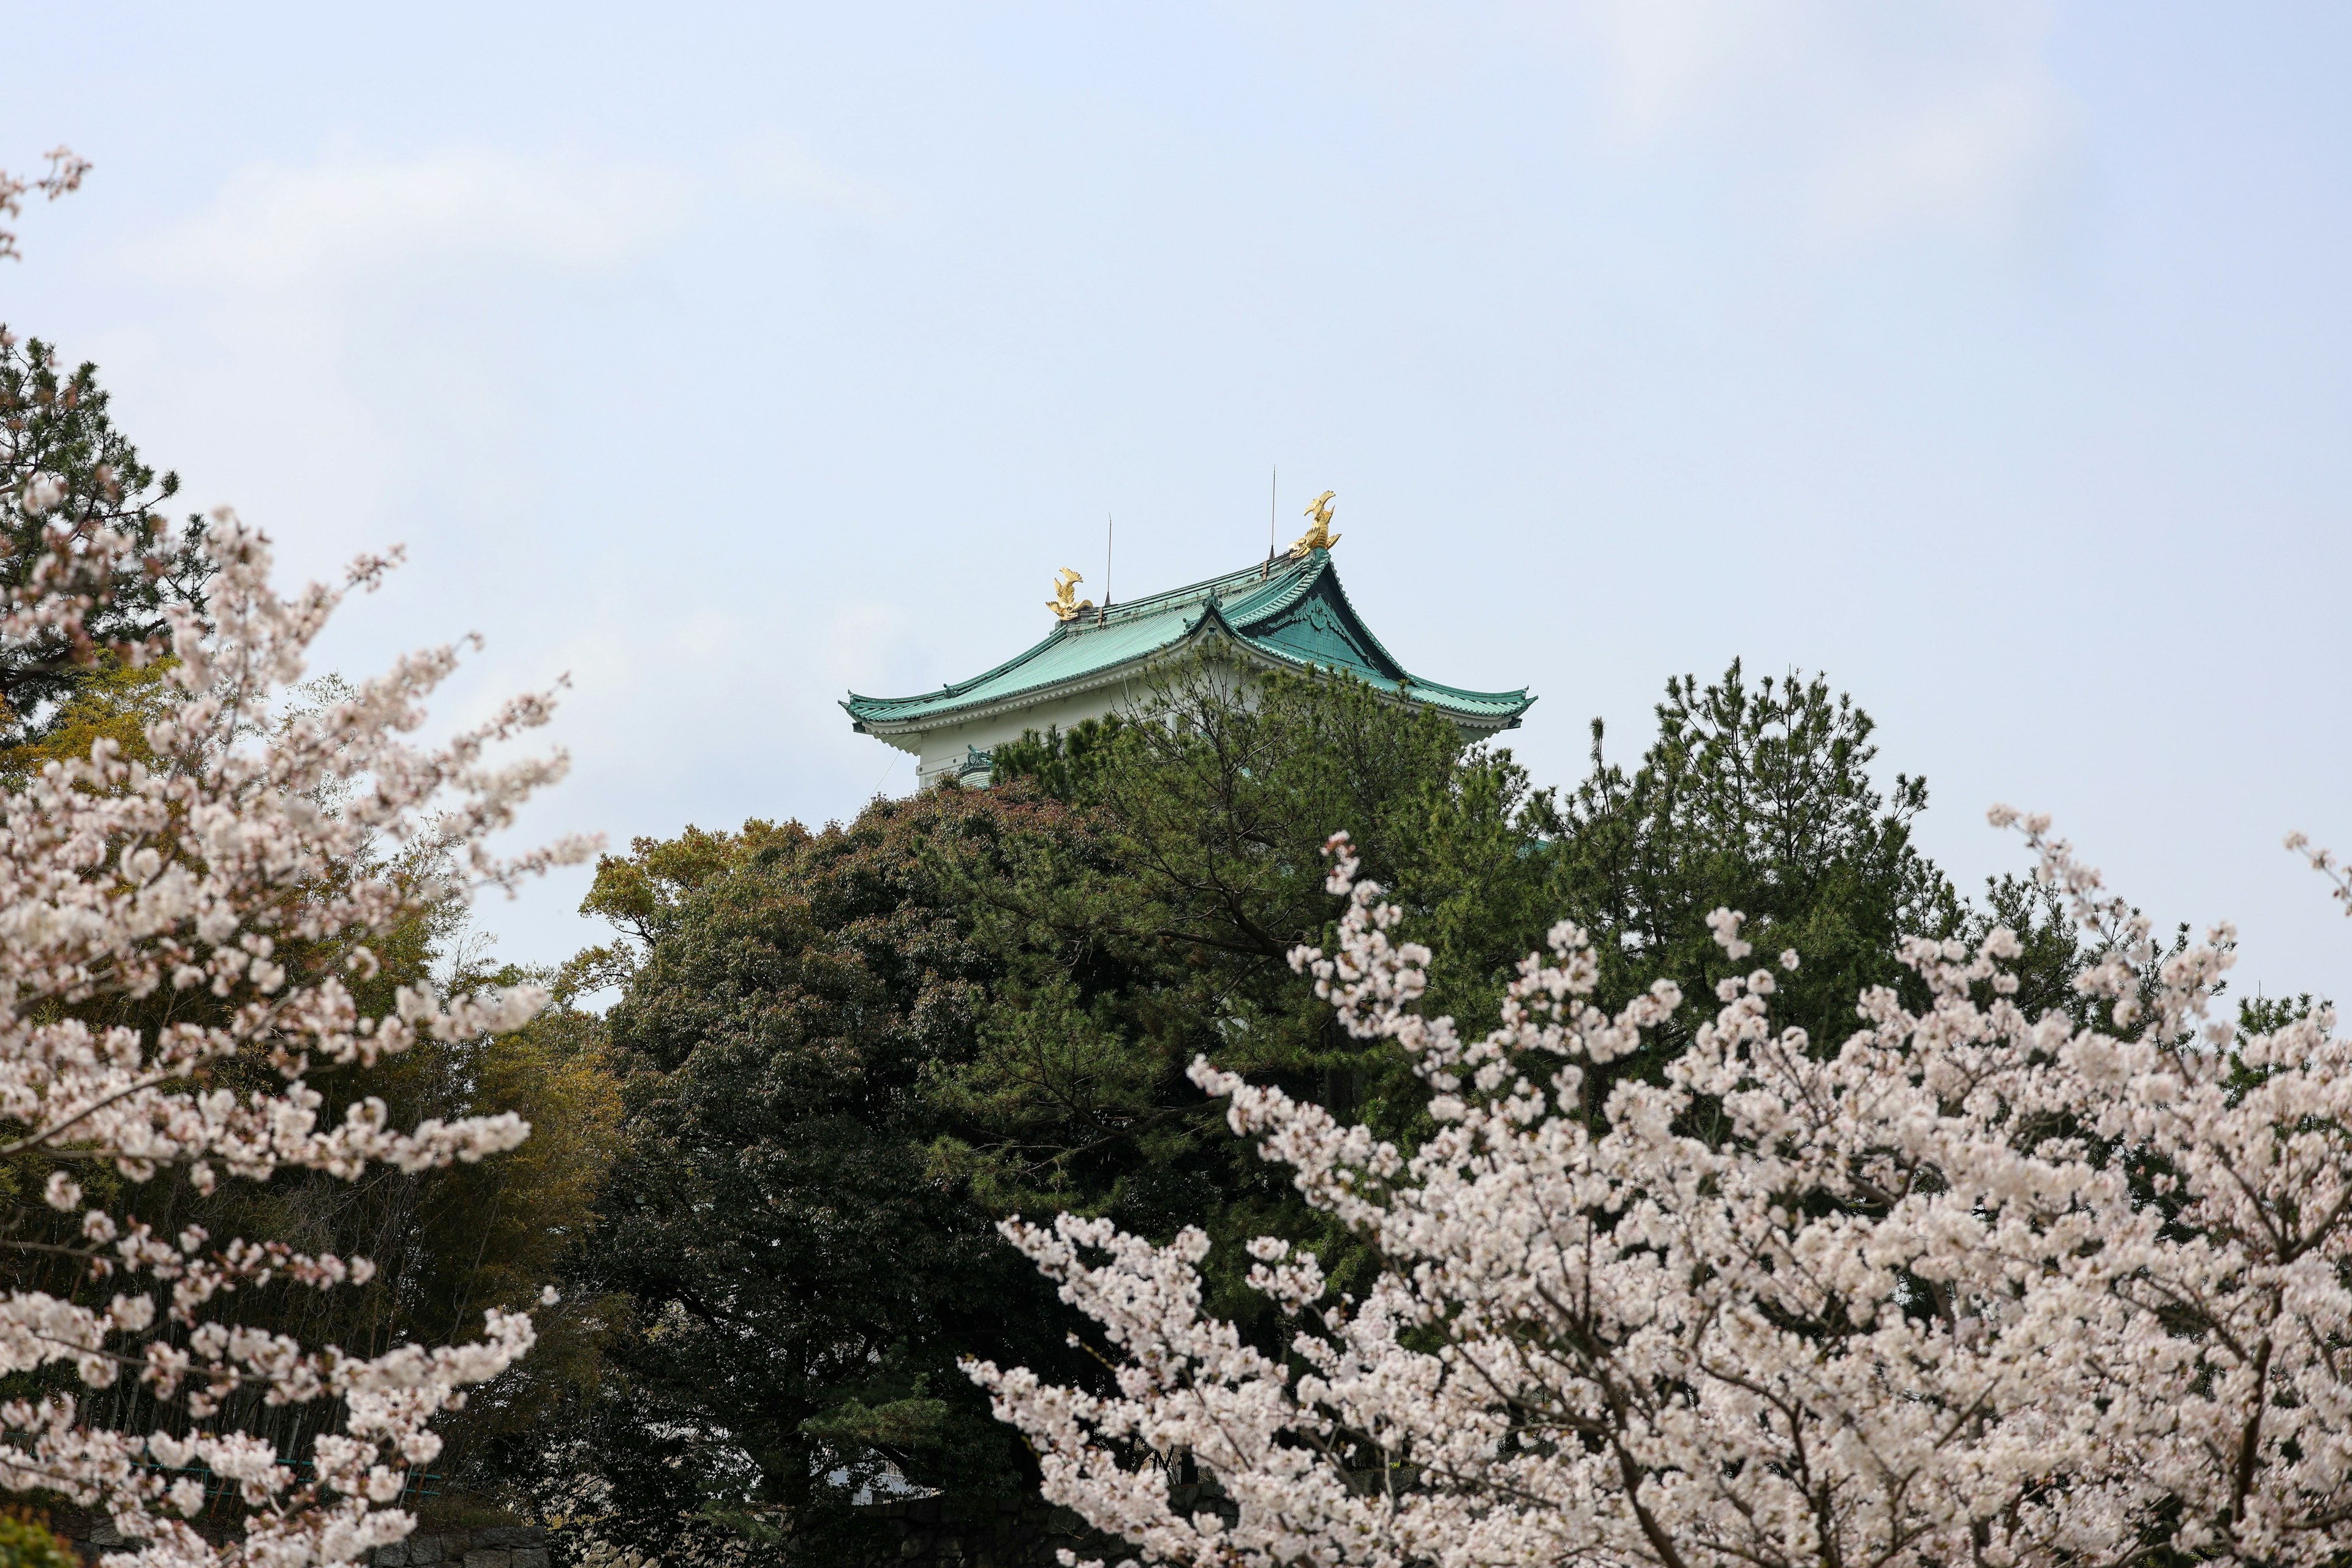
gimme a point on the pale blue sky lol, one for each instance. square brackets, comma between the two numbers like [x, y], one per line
[1992, 358]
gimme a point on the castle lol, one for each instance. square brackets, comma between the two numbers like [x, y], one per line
[1286, 613]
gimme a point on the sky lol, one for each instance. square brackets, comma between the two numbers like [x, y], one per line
[1994, 360]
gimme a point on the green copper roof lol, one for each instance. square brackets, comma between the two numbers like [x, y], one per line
[1292, 612]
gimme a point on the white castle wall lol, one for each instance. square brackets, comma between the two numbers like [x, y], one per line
[944, 750]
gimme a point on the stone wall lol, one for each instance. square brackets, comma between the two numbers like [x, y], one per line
[497, 1546]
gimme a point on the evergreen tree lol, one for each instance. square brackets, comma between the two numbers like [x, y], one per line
[1760, 799]
[850, 1053]
[800, 1276]
[58, 447]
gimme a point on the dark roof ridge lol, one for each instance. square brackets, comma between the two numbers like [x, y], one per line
[1207, 588]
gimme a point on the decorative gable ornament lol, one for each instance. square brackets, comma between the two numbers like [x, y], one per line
[1065, 604]
[1320, 536]
[1286, 613]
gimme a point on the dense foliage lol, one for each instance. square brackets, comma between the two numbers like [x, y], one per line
[799, 1277]
[26, 1542]
[849, 1053]
[1762, 797]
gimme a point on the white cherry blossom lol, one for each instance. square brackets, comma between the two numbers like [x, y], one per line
[1966, 1287]
[200, 871]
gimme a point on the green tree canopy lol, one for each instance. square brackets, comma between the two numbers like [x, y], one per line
[1761, 798]
[802, 1278]
[849, 1053]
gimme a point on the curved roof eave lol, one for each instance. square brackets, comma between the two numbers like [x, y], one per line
[1502, 708]
[1254, 605]
[882, 723]
[859, 706]
[1491, 710]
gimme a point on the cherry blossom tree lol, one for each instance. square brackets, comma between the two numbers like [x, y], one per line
[63, 175]
[179, 935]
[1967, 1287]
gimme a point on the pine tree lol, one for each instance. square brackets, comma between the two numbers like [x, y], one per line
[61, 455]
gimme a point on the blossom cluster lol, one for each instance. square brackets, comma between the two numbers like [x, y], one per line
[209, 903]
[1969, 1287]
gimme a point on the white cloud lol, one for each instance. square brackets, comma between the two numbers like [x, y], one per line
[775, 167]
[357, 345]
[1856, 122]
[338, 338]
[1978, 164]
[273, 226]
[1666, 59]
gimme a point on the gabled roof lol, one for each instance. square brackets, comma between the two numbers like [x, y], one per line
[1290, 614]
